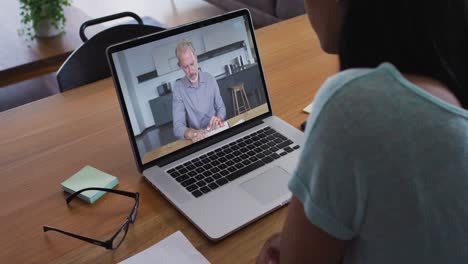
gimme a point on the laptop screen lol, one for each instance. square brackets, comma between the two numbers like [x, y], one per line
[184, 88]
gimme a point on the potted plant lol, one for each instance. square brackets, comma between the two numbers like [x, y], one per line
[42, 18]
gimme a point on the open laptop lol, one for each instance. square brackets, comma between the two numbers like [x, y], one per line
[238, 171]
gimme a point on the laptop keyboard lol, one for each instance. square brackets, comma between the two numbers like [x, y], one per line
[231, 161]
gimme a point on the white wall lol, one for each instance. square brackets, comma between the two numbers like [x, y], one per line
[161, 54]
[130, 100]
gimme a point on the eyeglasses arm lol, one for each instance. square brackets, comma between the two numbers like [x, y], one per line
[128, 194]
[87, 239]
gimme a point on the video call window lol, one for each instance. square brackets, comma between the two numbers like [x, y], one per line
[185, 88]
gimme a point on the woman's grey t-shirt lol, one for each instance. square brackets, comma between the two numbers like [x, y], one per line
[385, 166]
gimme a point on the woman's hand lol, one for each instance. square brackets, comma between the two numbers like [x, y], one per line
[270, 252]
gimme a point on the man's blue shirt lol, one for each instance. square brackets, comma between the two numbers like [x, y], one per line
[194, 105]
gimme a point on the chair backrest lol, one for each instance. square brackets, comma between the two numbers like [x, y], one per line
[88, 63]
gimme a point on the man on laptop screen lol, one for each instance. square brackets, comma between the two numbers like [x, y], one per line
[197, 106]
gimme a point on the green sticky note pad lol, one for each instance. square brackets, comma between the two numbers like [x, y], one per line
[89, 177]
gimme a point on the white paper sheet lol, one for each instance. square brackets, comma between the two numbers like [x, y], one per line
[308, 108]
[174, 249]
[217, 130]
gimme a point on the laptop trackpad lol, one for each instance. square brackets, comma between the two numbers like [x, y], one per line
[268, 186]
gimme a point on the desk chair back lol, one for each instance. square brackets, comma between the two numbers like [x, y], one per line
[88, 63]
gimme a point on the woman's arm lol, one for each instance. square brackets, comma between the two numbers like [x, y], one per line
[301, 241]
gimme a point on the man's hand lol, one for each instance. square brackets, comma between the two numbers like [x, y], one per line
[194, 134]
[214, 123]
[270, 252]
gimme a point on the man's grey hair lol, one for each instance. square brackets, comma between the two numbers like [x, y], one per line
[183, 46]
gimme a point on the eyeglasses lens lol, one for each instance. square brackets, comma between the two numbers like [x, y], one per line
[134, 213]
[120, 237]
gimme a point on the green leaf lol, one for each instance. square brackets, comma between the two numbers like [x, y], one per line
[34, 11]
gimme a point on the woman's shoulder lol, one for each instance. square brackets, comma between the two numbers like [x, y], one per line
[357, 79]
[381, 88]
[356, 86]
[362, 100]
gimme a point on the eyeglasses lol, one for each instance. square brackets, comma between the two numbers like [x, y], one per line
[115, 241]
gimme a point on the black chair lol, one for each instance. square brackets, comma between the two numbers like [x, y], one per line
[88, 63]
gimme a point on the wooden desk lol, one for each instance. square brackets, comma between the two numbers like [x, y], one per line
[43, 143]
[21, 60]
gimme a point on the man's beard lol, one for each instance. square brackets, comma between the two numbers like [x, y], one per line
[194, 77]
